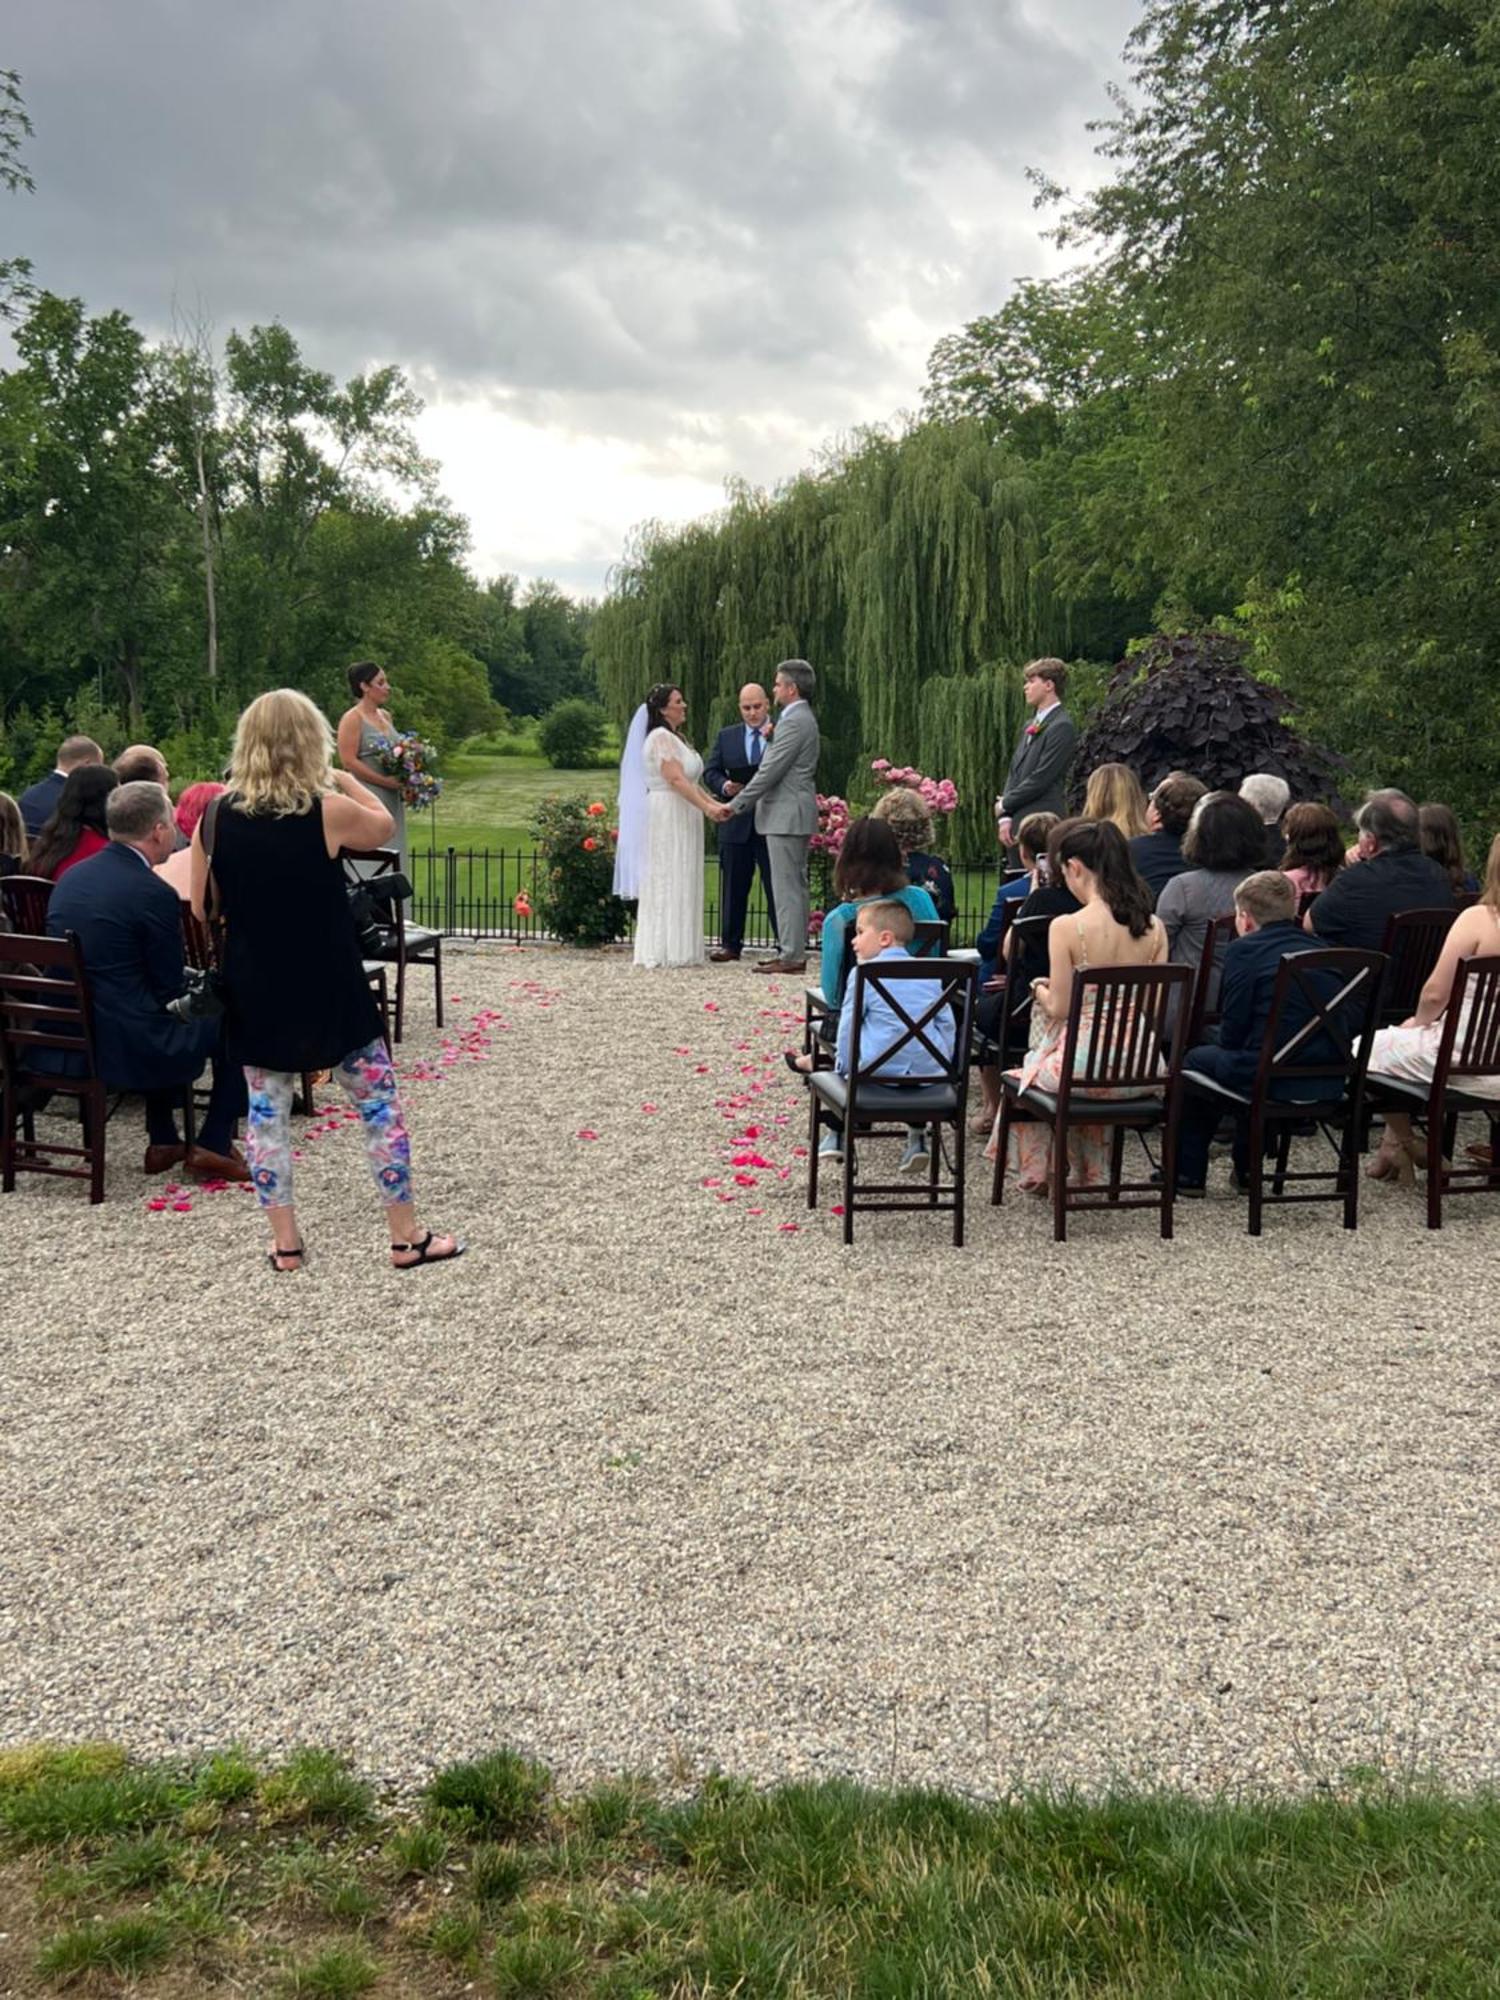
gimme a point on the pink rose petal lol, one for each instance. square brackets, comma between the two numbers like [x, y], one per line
[746, 1180]
[182, 1207]
[788, 1228]
[157, 1202]
[650, 1109]
[585, 1132]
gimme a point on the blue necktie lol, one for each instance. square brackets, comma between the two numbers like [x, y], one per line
[757, 744]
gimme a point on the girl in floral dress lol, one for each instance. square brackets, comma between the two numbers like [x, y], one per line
[1114, 927]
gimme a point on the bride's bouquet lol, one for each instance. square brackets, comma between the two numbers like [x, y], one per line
[407, 757]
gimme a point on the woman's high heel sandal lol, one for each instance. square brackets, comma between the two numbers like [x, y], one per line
[1392, 1163]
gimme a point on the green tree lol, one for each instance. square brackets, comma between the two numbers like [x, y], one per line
[572, 734]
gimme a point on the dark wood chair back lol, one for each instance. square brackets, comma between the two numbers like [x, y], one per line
[199, 945]
[956, 980]
[1471, 1030]
[1413, 943]
[1205, 1008]
[1335, 994]
[929, 939]
[1122, 1016]
[45, 1004]
[24, 899]
[413, 945]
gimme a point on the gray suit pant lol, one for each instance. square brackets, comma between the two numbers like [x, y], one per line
[788, 857]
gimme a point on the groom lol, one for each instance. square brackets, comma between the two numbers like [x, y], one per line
[783, 795]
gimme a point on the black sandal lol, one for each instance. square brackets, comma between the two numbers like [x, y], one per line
[423, 1252]
[791, 1059]
[281, 1270]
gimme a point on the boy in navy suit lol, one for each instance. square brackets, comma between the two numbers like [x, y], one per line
[1265, 920]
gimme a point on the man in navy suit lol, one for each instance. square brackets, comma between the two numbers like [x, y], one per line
[129, 926]
[39, 801]
[742, 850]
[1265, 921]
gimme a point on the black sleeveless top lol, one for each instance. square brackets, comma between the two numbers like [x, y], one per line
[297, 997]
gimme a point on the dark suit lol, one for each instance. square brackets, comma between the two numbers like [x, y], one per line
[39, 802]
[1247, 988]
[129, 925]
[1037, 780]
[741, 848]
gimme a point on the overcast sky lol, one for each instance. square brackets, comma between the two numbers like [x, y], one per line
[626, 249]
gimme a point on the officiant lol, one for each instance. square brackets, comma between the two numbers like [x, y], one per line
[742, 850]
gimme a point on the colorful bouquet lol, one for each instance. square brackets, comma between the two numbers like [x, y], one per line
[406, 757]
[939, 795]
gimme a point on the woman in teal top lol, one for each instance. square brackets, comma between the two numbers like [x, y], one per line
[869, 867]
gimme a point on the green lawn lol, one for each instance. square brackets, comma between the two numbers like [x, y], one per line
[488, 801]
[231, 1876]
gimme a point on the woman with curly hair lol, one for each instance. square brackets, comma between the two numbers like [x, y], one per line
[296, 996]
[905, 812]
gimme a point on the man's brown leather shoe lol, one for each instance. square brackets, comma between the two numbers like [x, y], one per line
[206, 1166]
[162, 1159]
[719, 956]
[782, 965]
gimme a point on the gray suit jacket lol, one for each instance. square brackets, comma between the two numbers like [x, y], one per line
[1037, 780]
[784, 791]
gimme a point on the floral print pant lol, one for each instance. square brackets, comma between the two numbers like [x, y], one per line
[368, 1080]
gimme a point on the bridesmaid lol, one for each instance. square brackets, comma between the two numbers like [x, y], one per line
[364, 731]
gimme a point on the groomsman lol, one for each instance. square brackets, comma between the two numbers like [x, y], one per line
[742, 849]
[1037, 780]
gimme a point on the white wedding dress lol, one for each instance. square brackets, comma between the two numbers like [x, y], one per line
[669, 918]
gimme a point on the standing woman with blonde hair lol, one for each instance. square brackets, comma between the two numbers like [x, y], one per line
[1115, 794]
[295, 990]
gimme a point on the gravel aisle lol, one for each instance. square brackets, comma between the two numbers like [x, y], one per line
[652, 1480]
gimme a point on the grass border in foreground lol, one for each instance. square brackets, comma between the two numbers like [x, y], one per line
[233, 1873]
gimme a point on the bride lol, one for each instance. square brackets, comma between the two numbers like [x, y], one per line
[662, 808]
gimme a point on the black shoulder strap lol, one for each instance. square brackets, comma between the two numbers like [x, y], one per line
[210, 824]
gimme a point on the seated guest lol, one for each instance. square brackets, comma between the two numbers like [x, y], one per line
[884, 930]
[130, 932]
[1393, 875]
[904, 812]
[1410, 1051]
[1114, 926]
[176, 870]
[1269, 795]
[1314, 851]
[1265, 912]
[1224, 843]
[1031, 842]
[142, 764]
[1026, 954]
[1032, 837]
[14, 846]
[869, 868]
[76, 831]
[39, 801]
[1157, 853]
[1115, 794]
[1443, 843]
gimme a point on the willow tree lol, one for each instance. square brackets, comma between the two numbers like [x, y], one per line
[909, 571]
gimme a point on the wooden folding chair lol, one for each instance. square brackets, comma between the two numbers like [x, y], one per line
[1413, 943]
[1326, 999]
[1119, 1019]
[24, 899]
[1470, 1048]
[820, 1015]
[875, 1101]
[413, 945]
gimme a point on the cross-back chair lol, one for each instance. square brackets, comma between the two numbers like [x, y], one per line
[1119, 1019]
[875, 1102]
[1312, 1063]
[1205, 1011]
[820, 1015]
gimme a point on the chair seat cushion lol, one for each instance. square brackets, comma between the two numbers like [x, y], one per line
[1454, 1098]
[1210, 1086]
[910, 1101]
[1089, 1110]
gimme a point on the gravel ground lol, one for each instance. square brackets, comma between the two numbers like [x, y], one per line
[655, 1479]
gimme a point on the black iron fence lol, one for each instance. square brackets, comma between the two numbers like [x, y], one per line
[472, 891]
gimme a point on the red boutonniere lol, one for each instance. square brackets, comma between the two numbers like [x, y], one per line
[1035, 728]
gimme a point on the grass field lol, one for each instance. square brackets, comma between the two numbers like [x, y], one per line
[488, 801]
[231, 1877]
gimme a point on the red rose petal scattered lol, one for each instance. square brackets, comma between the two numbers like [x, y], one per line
[746, 1180]
[157, 1202]
[789, 1228]
[649, 1109]
[585, 1132]
[182, 1207]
